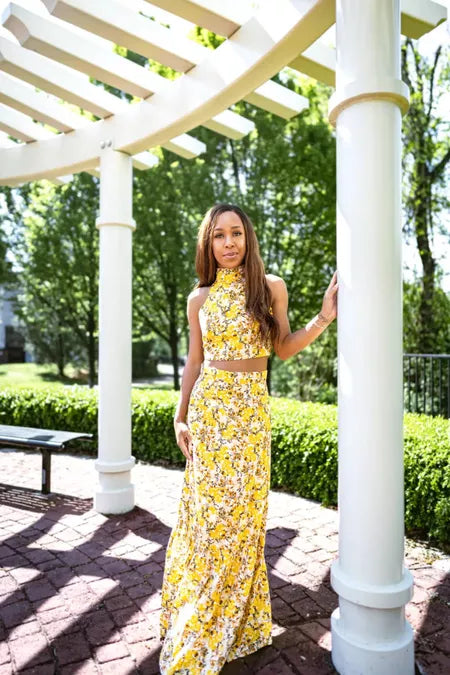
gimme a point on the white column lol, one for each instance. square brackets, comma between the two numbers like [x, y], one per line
[369, 630]
[114, 492]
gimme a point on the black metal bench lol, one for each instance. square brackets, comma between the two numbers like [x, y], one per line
[44, 440]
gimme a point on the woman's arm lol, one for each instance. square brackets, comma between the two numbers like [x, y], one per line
[289, 343]
[191, 370]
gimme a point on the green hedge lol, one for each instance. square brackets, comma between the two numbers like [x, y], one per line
[304, 444]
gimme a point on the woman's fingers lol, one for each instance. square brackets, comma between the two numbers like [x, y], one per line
[333, 279]
[184, 449]
[183, 437]
[186, 443]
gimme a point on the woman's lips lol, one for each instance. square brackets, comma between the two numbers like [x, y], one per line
[230, 255]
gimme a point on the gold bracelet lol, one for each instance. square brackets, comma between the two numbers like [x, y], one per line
[321, 321]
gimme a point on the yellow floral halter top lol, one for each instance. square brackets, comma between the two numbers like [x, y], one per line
[228, 331]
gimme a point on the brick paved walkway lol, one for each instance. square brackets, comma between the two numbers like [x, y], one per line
[80, 592]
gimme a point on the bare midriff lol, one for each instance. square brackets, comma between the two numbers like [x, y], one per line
[245, 365]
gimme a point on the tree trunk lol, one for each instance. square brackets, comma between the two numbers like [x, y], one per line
[91, 350]
[235, 166]
[422, 215]
[60, 360]
[174, 356]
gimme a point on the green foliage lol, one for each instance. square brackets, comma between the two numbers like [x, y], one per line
[282, 174]
[169, 202]
[304, 445]
[426, 160]
[206, 37]
[426, 151]
[152, 419]
[304, 449]
[427, 474]
[57, 260]
[36, 375]
[411, 319]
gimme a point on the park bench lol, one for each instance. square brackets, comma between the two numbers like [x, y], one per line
[45, 440]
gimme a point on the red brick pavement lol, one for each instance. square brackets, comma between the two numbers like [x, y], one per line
[80, 591]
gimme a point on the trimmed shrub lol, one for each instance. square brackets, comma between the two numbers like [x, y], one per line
[304, 444]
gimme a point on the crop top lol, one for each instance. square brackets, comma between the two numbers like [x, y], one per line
[229, 332]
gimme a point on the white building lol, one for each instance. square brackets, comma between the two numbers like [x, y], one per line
[13, 347]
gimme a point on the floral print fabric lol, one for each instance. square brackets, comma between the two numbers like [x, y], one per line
[228, 330]
[215, 594]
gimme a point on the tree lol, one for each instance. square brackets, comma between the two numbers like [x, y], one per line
[57, 270]
[169, 202]
[285, 177]
[425, 161]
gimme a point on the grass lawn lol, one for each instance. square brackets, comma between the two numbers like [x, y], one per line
[25, 375]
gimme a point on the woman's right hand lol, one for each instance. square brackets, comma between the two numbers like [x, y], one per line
[183, 436]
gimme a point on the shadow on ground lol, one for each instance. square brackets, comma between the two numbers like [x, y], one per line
[111, 594]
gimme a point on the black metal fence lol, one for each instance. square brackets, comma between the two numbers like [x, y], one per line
[426, 379]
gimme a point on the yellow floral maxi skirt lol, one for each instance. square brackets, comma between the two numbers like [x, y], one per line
[215, 594]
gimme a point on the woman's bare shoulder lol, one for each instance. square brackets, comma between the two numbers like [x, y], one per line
[273, 279]
[197, 297]
[276, 283]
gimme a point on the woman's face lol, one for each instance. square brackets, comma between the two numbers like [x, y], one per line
[228, 240]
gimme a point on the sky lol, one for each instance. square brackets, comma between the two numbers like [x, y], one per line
[427, 45]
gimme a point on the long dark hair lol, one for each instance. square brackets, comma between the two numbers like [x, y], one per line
[257, 291]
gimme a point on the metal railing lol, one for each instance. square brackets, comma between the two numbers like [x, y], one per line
[427, 383]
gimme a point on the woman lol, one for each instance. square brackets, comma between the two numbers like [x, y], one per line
[215, 595]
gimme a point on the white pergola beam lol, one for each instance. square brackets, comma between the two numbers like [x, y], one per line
[278, 100]
[420, 16]
[6, 142]
[223, 18]
[78, 49]
[239, 66]
[417, 16]
[61, 180]
[185, 145]
[318, 61]
[75, 88]
[144, 160]
[40, 106]
[72, 55]
[57, 79]
[20, 126]
[114, 22]
[230, 124]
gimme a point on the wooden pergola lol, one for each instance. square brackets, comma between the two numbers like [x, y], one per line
[48, 51]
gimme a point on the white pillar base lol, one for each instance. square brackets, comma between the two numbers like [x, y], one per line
[115, 493]
[351, 657]
[376, 596]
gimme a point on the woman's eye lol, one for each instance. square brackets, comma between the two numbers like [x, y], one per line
[216, 236]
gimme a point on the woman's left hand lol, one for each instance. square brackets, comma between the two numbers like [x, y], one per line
[329, 303]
